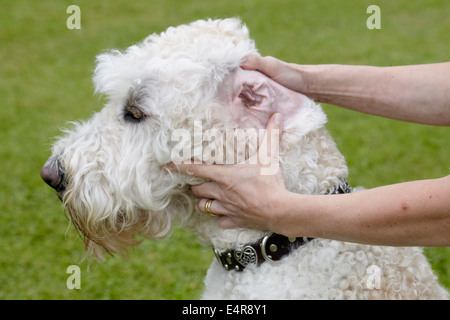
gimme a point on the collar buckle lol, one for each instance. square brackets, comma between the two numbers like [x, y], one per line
[271, 248]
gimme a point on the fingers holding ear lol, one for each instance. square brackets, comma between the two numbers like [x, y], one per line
[268, 65]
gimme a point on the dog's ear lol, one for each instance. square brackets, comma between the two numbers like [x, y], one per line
[112, 74]
[102, 74]
[253, 93]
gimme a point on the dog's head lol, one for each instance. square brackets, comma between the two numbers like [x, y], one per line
[163, 95]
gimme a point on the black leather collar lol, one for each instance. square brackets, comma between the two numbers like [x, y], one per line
[271, 248]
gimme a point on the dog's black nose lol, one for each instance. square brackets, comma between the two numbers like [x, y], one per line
[52, 174]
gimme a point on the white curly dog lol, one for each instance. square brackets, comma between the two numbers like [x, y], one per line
[178, 95]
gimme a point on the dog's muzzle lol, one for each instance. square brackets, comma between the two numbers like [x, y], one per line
[53, 174]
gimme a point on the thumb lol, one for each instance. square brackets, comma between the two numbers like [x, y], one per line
[275, 123]
[269, 142]
[270, 66]
[274, 129]
[269, 150]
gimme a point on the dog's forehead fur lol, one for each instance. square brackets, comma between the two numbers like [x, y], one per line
[185, 57]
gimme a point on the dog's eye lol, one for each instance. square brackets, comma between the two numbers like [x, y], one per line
[133, 114]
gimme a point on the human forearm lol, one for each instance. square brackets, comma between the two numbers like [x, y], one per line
[412, 213]
[418, 93]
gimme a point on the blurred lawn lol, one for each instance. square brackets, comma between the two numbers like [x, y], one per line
[45, 81]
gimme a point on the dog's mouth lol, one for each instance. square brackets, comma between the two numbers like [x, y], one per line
[252, 98]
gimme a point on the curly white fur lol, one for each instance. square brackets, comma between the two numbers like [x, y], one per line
[118, 188]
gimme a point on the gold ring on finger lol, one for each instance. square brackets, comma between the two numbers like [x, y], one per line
[208, 208]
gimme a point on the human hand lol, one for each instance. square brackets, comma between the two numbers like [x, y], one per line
[288, 75]
[243, 195]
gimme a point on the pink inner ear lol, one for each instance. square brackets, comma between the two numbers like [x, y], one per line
[249, 97]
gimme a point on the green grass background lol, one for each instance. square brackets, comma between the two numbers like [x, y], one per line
[45, 81]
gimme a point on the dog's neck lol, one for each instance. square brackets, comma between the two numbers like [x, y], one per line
[313, 166]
